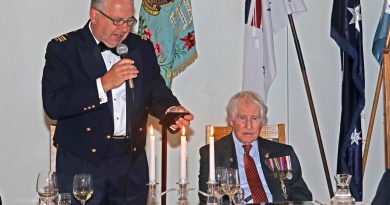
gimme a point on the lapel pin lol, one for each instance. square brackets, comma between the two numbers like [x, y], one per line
[266, 155]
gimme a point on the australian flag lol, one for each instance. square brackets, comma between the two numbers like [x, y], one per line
[346, 30]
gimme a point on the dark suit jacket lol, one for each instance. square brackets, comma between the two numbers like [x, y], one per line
[225, 156]
[70, 96]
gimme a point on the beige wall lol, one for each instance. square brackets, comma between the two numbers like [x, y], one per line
[27, 26]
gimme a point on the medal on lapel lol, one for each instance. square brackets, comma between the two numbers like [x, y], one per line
[282, 170]
[289, 174]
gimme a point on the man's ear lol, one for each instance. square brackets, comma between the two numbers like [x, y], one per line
[230, 120]
[92, 15]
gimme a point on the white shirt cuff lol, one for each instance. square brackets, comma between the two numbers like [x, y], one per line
[102, 95]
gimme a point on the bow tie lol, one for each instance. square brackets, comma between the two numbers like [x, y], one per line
[103, 47]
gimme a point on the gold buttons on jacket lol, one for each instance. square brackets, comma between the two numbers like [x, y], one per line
[88, 129]
[108, 136]
[93, 150]
[140, 129]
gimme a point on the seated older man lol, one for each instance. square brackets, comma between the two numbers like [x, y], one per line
[268, 171]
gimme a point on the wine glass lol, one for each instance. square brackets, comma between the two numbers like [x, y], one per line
[46, 186]
[82, 187]
[230, 182]
[218, 192]
[64, 199]
[239, 197]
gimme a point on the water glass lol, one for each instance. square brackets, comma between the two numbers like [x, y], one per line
[342, 195]
[64, 199]
[46, 187]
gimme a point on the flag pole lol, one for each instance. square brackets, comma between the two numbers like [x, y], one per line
[309, 96]
[374, 106]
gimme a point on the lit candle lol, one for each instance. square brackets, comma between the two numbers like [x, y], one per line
[183, 156]
[152, 164]
[211, 156]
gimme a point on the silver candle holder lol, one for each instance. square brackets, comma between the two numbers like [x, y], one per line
[182, 190]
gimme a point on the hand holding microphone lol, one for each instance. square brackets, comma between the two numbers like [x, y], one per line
[122, 51]
[120, 71]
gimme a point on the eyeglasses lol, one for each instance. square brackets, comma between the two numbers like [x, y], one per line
[119, 22]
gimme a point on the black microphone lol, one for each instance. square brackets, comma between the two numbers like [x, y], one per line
[122, 51]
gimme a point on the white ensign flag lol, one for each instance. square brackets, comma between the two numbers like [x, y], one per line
[263, 18]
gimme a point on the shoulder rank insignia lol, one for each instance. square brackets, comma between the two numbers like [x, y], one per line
[61, 38]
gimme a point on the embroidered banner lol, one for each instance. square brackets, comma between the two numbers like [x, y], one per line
[169, 26]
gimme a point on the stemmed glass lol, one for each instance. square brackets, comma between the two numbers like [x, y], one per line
[230, 182]
[218, 192]
[82, 187]
[239, 197]
[46, 186]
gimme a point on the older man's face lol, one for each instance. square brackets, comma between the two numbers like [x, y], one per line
[103, 27]
[247, 121]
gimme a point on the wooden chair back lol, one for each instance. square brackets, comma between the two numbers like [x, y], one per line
[271, 132]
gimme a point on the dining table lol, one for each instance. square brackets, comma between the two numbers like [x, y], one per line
[290, 203]
[306, 203]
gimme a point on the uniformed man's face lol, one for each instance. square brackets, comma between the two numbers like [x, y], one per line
[104, 29]
[247, 121]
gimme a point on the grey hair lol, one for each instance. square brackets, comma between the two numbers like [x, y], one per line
[98, 4]
[250, 96]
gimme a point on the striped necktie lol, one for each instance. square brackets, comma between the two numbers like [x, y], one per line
[252, 176]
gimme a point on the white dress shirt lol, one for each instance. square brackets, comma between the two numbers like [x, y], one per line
[118, 94]
[254, 153]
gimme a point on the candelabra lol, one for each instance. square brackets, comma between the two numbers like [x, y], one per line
[183, 191]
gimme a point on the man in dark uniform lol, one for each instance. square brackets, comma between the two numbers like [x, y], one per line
[101, 120]
[272, 162]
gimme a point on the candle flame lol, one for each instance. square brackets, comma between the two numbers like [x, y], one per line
[183, 131]
[212, 131]
[151, 129]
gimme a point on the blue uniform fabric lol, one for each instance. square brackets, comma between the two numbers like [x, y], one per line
[84, 126]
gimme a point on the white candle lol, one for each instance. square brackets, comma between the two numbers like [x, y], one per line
[152, 163]
[183, 156]
[211, 156]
